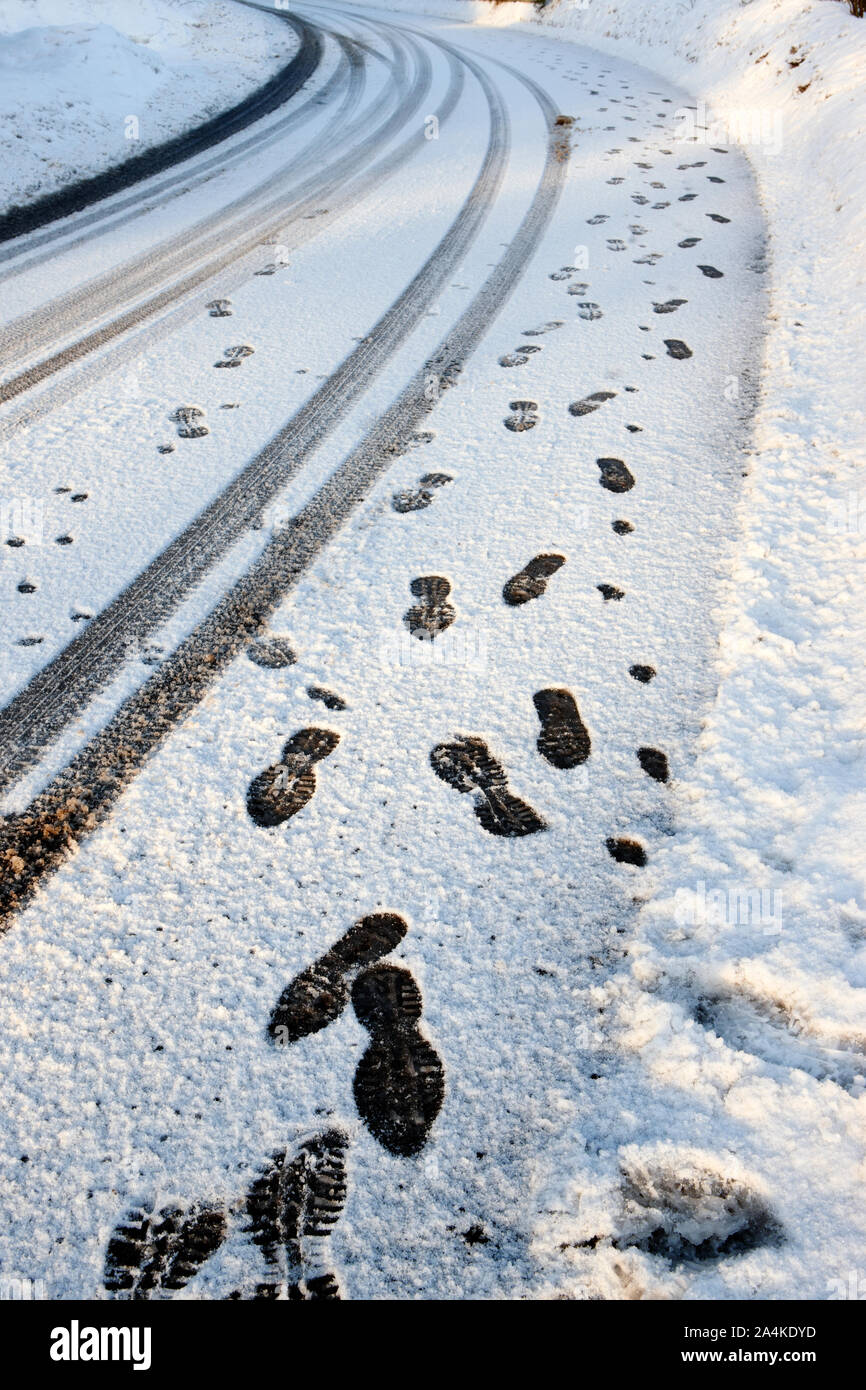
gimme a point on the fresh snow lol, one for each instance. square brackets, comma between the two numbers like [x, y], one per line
[680, 1045]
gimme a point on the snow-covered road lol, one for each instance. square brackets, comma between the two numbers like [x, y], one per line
[453, 522]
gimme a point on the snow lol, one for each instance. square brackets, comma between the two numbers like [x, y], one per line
[85, 84]
[621, 1049]
[775, 799]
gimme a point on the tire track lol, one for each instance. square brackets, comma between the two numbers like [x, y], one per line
[211, 238]
[222, 282]
[80, 797]
[123, 211]
[66, 201]
[60, 689]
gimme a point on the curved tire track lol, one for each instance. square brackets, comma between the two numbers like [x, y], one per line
[66, 201]
[221, 238]
[235, 269]
[78, 799]
[62, 687]
[120, 212]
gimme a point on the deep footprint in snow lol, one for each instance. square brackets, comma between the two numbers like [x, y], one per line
[293, 1205]
[670, 306]
[565, 272]
[399, 1084]
[320, 993]
[273, 653]
[615, 476]
[432, 614]
[220, 308]
[711, 272]
[692, 1215]
[626, 851]
[422, 496]
[590, 403]
[678, 349]
[615, 244]
[598, 219]
[285, 788]
[153, 1252]
[234, 356]
[525, 416]
[531, 581]
[564, 739]
[589, 310]
[327, 697]
[468, 765]
[717, 217]
[190, 422]
[654, 763]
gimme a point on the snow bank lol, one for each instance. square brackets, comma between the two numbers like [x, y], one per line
[85, 84]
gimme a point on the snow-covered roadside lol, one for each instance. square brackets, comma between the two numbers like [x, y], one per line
[757, 906]
[713, 1014]
[115, 78]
